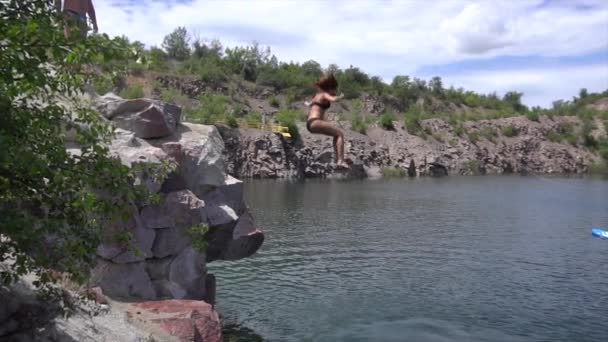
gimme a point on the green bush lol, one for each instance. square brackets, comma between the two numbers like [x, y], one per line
[136, 69]
[274, 102]
[212, 108]
[553, 136]
[134, 91]
[231, 121]
[459, 129]
[473, 137]
[358, 124]
[438, 136]
[533, 115]
[288, 118]
[393, 172]
[173, 96]
[412, 120]
[603, 148]
[254, 117]
[103, 84]
[510, 131]
[386, 121]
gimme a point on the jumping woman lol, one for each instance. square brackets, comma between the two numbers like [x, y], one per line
[316, 123]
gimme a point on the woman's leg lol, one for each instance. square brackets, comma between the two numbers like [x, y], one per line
[324, 127]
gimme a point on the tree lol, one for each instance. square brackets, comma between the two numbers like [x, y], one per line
[53, 202]
[176, 44]
[583, 93]
[436, 85]
[513, 98]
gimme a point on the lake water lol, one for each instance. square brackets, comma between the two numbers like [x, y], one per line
[504, 258]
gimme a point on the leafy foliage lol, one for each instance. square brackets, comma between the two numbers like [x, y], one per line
[386, 121]
[53, 202]
[176, 44]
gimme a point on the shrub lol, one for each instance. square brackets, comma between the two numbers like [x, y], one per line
[412, 120]
[473, 137]
[232, 122]
[510, 131]
[357, 124]
[274, 102]
[386, 121]
[212, 108]
[459, 129]
[488, 133]
[533, 115]
[173, 96]
[438, 136]
[134, 91]
[288, 118]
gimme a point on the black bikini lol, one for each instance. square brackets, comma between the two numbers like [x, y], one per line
[324, 105]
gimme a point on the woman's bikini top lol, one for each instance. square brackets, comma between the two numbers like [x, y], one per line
[323, 105]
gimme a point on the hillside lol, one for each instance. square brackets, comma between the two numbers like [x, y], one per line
[247, 87]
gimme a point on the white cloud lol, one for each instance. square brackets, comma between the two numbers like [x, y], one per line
[380, 37]
[541, 86]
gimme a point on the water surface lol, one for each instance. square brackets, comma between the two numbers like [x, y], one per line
[450, 259]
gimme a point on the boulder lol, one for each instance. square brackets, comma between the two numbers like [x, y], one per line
[124, 281]
[178, 209]
[146, 118]
[188, 271]
[185, 320]
[138, 249]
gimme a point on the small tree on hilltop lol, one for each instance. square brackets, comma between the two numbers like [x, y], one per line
[176, 44]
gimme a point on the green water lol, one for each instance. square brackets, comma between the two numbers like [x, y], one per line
[449, 259]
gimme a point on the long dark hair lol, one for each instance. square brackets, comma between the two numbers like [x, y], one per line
[327, 83]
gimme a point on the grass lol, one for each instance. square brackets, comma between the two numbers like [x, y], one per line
[173, 96]
[134, 91]
[473, 137]
[489, 133]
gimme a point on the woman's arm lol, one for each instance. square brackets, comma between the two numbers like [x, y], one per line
[333, 98]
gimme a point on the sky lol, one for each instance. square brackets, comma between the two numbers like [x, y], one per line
[547, 49]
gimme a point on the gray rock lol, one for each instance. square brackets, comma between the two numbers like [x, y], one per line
[197, 149]
[219, 215]
[168, 289]
[158, 269]
[178, 209]
[124, 281]
[170, 241]
[230, 194]
[146, 118]
[138, 249]
[188, 271]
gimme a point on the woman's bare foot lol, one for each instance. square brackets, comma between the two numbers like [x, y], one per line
[341, 164]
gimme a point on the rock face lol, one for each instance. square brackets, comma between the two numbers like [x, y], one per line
[160, 262]
[526, 148]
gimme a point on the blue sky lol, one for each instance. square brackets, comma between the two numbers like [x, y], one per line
[548, 49]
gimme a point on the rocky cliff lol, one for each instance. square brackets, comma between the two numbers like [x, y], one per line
[509, 145]
[158, 284]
